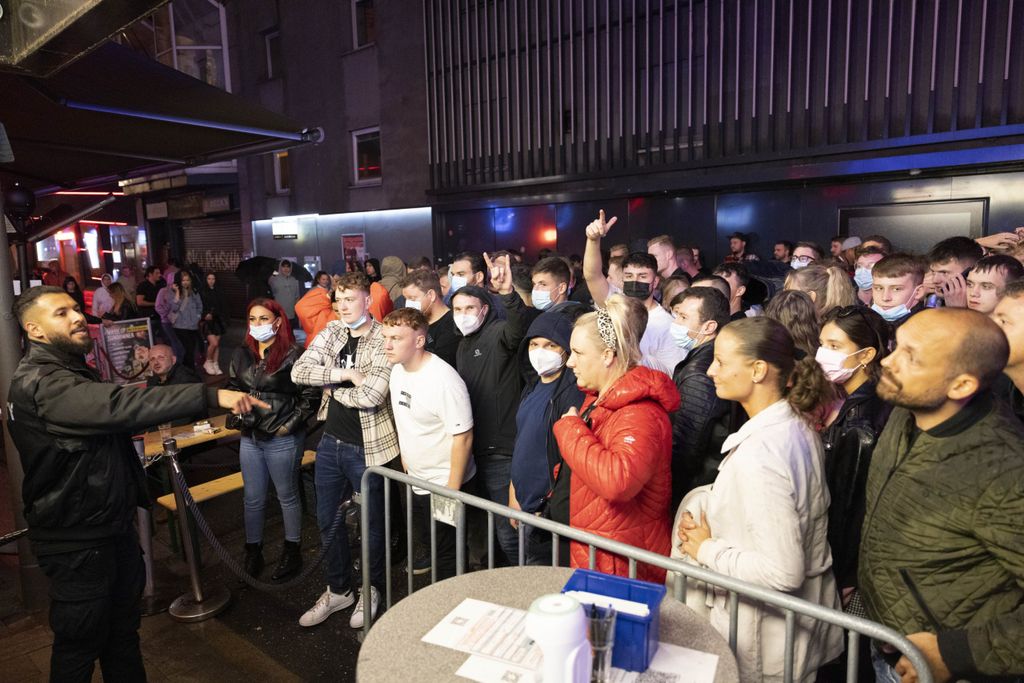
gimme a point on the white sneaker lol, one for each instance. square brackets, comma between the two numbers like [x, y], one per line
[216, 368]
[326, 605]
[208, 368]
[356, 621]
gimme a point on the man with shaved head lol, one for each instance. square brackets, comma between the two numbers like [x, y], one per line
[168, 371]
[83, 482]
[942, 553]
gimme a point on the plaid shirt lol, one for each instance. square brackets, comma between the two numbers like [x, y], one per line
[380, 441]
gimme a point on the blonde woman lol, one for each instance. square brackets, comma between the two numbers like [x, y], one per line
[619, 446]
[828, 286]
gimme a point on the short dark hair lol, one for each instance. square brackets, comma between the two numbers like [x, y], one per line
[522, 276]
[881, 239]
[786, 243]
[355, 280]
[838, 238]
[407, 317]
[423, 280]
[959, 248]
[899, 265]
[819, 253]
[554, 266]
[865, 328]
[641, 259]
[1014, 290]
[865, 251]
[1011, 268]
[714, 281]
[713, 304]
[285, 262]
[28, 299]
[476, 261]
[737, 269]
[152, 269]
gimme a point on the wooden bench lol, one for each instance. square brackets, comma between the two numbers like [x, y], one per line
[218, 487]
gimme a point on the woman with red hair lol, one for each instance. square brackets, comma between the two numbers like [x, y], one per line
[272, 440]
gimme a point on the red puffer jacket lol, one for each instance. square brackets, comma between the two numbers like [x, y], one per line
[622, 469]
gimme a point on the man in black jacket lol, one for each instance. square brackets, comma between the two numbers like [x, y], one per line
[702, 422]
[487, 360]
[83, 482]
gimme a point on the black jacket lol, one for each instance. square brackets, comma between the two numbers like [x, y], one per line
[849, 442]
[213, 303]
[179, 374]
[487, 361]
[290, 405]
[83, 479]
[701, 424]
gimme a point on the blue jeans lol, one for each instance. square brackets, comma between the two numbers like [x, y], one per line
[883, 672]
[493, 474]
[339, 471]
[172, 338]
[276, 460]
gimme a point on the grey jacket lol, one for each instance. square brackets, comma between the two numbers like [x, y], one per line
[186, 312]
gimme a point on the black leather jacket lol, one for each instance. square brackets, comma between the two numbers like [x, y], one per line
[700, 426]
[849, 442]
[83, 479]
[290, 405]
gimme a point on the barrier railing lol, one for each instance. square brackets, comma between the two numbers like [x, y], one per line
[682, 571]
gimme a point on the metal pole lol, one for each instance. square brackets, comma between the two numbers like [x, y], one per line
[33, 583]
[197, 605]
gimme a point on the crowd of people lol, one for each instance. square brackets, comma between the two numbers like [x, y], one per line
[842, 424]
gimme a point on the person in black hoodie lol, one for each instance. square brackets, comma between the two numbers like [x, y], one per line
[272, 440]
[703, 421]
[853, 341]
[83, 482]
[487, 360]
[540, 478]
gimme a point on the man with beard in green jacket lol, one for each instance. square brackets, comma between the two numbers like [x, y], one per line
[942, 553]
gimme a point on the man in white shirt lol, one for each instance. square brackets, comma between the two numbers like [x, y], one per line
[434, 422]
[640, 280]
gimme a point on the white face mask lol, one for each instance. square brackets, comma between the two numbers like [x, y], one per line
[831, 362]
[414, 305]
[468, 324]
[541, 299]
[262, 333]
[357, 324]
[681, 336]
[457, 282]
[546, 362]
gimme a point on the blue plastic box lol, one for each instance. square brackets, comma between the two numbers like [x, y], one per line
[636, 638]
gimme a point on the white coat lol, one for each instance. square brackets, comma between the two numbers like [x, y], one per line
[768, 514]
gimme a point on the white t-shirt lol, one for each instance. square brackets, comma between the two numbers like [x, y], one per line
[430, 406]
[658, 349]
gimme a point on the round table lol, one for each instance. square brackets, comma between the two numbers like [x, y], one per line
[394, 651]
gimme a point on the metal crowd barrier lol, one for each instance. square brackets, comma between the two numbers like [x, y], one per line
[791, 606]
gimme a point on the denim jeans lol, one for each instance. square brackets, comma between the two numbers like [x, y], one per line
[276, 460]
[95, 610]
[170, 337]
[493, 474]
[339, 471]
[883, 672]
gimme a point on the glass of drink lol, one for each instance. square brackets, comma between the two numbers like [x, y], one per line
[601, 631]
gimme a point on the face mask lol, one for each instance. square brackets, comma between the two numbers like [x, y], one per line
[541, 299]
[414, 305]
[458, 282]
[797, 264]
[546, 362]
[893, 314]
[831, 362]
[262, 333]
[357, 324]
[681, 336]
[862, 276]
[468, 324]
[636, 289]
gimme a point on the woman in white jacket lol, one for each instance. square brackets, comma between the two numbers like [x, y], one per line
[765, 519]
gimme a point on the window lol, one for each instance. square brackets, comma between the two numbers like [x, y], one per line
[282, 173]
[275, 62]
[366, 146]
[364, 22]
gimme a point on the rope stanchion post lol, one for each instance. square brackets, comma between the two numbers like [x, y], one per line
[197, 605]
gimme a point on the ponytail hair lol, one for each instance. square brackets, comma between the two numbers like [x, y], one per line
[628, 319]
[801, 381]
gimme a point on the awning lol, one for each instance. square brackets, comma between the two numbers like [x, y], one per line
[115, 113]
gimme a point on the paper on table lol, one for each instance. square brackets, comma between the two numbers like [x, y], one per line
[671, 664]
[483, 628]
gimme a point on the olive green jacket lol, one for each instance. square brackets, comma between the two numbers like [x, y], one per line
[943, 538]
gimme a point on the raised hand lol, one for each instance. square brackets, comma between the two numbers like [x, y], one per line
[500, 269]
[954, 291]
[599, 228]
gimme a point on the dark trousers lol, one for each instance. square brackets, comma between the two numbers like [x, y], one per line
[444, 536]
[189, 340]
[95, 611]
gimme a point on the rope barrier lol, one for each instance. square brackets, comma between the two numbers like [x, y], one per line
[232, 564]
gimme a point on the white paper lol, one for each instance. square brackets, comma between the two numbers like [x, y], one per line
[621, 606]
[671, 664]
[483, 628]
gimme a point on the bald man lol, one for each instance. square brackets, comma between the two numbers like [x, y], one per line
[166, 368]
[942, 553]
[83, 482]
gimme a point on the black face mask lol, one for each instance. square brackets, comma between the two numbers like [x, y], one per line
[636, 289]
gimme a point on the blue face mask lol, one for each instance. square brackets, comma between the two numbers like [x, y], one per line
[862, 276]
[262, 333]
[893, 314]
[681, 336]
[357, 324]
[457, 283]
[541, 299]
